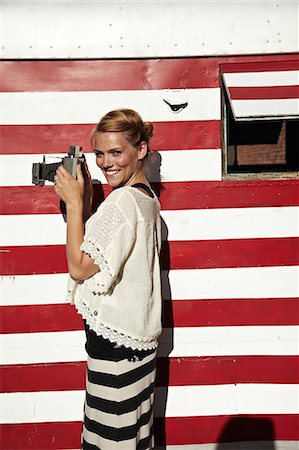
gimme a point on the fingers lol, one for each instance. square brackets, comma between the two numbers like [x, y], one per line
[80, 176]
[64, 178]
[62, 172]
[61, 180]
[57, 185]
[59, 177]
[63, 175]
[85, 172]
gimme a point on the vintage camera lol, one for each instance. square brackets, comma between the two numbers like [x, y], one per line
[42, 171]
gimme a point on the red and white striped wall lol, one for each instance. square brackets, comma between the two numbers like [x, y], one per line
[228, 355]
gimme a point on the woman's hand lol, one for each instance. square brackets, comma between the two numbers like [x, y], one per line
[71, 191]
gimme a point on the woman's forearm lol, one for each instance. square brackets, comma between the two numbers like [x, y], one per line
[74, 238]
[71, 191]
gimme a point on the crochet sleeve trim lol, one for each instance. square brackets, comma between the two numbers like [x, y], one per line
[100, 234]
[99, 282]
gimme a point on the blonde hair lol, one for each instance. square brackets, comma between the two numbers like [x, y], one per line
[127, 122]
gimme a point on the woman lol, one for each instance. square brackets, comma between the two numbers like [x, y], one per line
[115, 284]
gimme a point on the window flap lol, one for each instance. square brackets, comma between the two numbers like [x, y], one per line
[262, 90]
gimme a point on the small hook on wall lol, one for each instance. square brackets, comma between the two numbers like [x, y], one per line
[176, 108]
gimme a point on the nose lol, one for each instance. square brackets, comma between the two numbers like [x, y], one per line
[106, 162]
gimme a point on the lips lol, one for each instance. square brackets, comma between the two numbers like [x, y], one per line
[111, 173]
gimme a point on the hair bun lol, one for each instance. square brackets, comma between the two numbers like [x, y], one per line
[147, 131]
[125, 121]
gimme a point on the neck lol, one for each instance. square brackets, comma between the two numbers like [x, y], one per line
[138, 177]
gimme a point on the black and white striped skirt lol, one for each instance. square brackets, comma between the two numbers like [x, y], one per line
[118, 410]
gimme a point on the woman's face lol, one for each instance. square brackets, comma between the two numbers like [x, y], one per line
[118, 159]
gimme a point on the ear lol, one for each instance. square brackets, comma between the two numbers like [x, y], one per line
[142, 151]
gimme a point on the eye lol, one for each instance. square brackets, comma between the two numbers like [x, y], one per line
[98, 153]
[117, 152]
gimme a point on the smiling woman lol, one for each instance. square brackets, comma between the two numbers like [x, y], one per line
[121, 144]
[115, 284]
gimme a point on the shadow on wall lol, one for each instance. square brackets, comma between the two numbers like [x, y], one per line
[247, 433]
[164, 349]
[166, 339]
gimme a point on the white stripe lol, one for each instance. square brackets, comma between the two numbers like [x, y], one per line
[42, 407]
[30, 348]
[231, 223]
[272, 444]
[172, 165]
[275, 78]
[240, 445]
[182, 401]
[39, 229]
[194, 224]
[189, 165]
[262, 108]
[216, 341]
[33, 289]
[25, 108]
[244, 282]
[60, 346]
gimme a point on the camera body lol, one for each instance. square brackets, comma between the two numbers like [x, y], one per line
[42, 171]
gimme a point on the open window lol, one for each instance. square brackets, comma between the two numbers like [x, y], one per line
[261, 119]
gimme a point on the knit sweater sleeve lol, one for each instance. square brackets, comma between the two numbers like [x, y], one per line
[109, 239]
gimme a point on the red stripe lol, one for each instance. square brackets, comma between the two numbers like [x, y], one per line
[66, 376]
[174, 73]
[45, 139]
[106, 75]
[173, 196]
[207, 429]
[171, 430]
[263, 93]
[25, 260]
[276, 65]
[39, 318]
[230, 253]
[40, 436]
[212, 370]
[231, 312]
[177, 313]
[215, 370]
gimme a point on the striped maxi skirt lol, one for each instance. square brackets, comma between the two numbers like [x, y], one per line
[118, 410]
